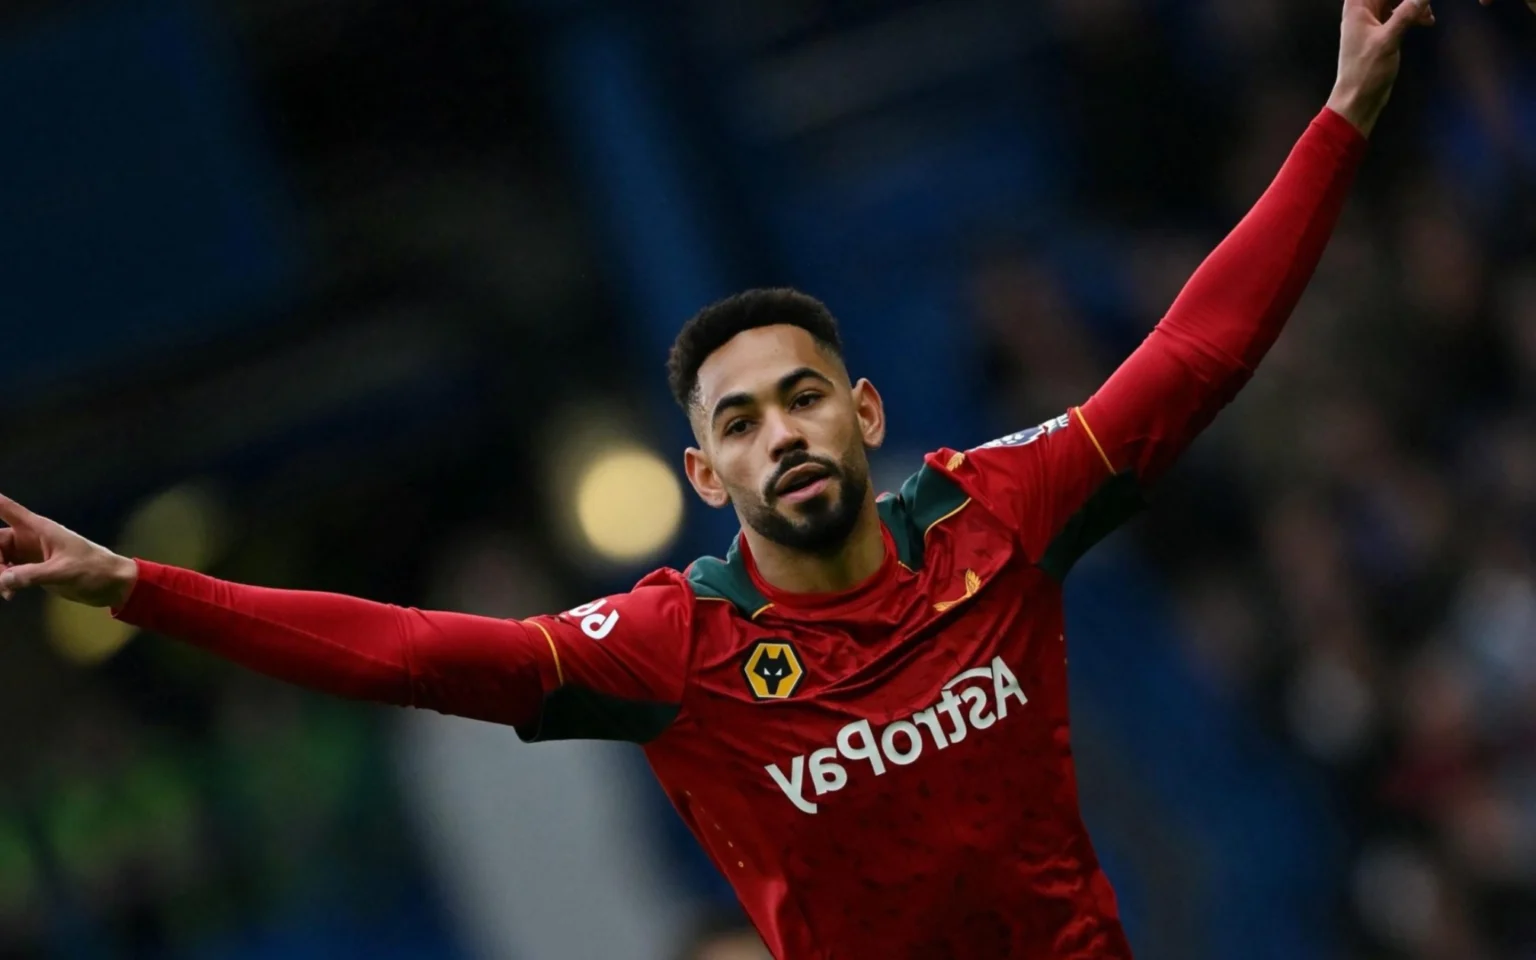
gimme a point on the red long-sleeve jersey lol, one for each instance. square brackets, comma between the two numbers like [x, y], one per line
[882, 773]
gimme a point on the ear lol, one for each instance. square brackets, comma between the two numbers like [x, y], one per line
[706, 483]
[870, 409]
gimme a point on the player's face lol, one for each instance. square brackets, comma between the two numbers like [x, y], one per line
[783, 437]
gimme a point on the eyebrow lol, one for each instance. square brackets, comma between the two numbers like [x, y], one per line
[744, 399]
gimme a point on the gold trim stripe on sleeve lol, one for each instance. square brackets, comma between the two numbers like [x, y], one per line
[946, 517]
[559, 673]
[1089, 430]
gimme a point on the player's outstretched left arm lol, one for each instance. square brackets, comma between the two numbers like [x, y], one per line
[611, 669]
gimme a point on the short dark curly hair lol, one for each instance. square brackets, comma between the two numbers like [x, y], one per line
[715, 325]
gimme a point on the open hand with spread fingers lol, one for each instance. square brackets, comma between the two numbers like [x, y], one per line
[37, 552]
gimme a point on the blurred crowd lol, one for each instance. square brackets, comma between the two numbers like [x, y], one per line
[1351, 545]
[168, 800]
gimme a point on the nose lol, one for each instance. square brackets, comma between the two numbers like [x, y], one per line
[783, 436]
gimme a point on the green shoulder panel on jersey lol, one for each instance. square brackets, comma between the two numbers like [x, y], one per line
[926, 497]
[1120, 498]
[716, 579]
[576, 713]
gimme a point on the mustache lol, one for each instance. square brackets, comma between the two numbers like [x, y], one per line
[790, 462]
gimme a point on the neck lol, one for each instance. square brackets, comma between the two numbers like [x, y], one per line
[795, 571]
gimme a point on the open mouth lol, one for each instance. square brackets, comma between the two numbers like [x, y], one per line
[803, 482]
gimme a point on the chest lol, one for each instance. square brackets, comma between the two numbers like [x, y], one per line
[973, 598]
[944, 650]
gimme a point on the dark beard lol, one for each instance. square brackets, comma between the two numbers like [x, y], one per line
[825, 524]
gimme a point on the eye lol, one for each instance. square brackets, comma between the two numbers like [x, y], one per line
[737, 426]
[804, 400]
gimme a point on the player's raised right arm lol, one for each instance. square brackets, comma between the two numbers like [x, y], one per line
[577, 675]
[1234, 307]
[1073, 480]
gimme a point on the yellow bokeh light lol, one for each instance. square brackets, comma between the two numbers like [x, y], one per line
[184, 527]
[629, 504]
[84, 635]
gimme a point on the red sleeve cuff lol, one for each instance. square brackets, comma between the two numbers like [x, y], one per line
[1340, 132]
[139, 598]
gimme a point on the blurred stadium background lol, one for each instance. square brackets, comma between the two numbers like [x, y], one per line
[373, 296]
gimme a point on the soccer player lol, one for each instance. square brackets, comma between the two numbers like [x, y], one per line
[861, 711]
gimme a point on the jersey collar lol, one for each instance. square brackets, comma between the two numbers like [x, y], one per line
[820, 603]
[927, 498]
[737, 580]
